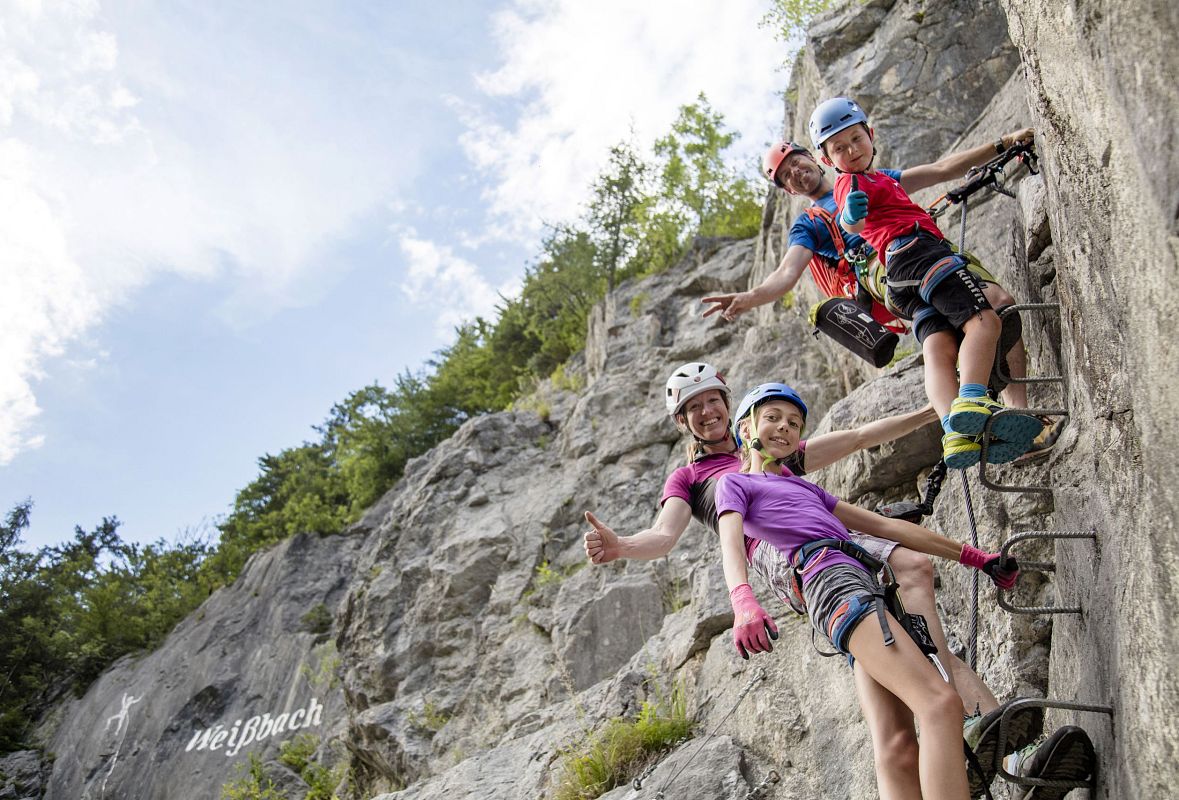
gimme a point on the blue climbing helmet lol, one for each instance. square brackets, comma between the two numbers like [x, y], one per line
[763, 394]
[832, 116]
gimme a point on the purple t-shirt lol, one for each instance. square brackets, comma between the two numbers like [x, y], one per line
[787, 512]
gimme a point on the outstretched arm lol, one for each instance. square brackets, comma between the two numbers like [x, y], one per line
[911, 536]
[776, 284]
[955, 165]
[1003, 572]
[602, 544]
[827, 448]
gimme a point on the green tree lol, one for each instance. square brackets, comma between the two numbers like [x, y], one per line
[698, 188]
[68, 611]
[617, 196]
[297, 490]
[789, 18]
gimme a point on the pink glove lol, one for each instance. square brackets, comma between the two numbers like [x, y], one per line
[750, 623]
[1004, 573]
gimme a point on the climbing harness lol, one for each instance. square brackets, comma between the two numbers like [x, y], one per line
[757, 677]
[888, 598]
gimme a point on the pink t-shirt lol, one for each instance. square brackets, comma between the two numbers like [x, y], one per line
[891, 212]
[695, 484]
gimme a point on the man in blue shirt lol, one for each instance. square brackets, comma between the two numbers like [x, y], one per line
[793, 168]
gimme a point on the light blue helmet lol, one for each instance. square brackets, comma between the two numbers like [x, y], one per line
[832, 116]
[763, 394]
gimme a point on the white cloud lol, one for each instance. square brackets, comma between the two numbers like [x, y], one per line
[437, 278]
[133, 152]
[44, 299]
[580, 75]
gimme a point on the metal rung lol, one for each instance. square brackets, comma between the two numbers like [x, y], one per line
[1002, 749]
[985, 441]
[1038, 566]
[999, 356]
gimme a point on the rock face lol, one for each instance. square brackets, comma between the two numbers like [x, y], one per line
[1108, 123]
[250, 668]
[472, 643]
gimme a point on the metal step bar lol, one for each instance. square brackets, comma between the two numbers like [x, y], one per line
[1038, 566]
[1002, 749]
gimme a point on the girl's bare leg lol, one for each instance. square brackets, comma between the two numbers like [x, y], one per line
[894, 741]
[904, 671]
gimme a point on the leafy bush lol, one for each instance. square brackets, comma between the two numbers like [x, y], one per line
[317, 620]
[251, 783]
[612, 755]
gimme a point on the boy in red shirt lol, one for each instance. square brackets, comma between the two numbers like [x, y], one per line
[958, 326]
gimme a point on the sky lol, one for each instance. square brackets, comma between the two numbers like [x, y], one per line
[219, 219]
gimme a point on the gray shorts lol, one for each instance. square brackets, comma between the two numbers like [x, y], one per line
[774, 567]
[839, 598]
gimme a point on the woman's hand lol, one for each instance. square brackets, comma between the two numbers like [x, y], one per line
[601, 543]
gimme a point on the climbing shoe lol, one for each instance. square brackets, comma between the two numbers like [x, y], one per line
[1043, 443]
[1001, 452]
[970, 414]
[960, 451]
[981, 733]
[1066, 755]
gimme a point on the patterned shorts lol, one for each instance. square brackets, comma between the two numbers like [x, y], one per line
[774, 567]
[839, 598]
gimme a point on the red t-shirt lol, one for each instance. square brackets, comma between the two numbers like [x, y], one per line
[891, 212]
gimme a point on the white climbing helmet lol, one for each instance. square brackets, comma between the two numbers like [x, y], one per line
[690, 380]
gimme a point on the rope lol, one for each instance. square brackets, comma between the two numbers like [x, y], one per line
[972, 636]
[758, 676]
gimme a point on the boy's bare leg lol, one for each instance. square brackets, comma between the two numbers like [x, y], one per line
[1016, 394]
[976, 356]
[941, 384]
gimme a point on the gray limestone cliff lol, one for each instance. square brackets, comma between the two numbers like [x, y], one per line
[253, 666]
[469, 642]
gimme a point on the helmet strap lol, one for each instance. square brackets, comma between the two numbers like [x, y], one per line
[755, 445]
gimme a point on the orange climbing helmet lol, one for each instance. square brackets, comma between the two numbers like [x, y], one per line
[776, 155]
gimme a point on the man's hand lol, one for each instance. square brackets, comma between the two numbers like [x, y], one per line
[1018, 137]
[601, 543]
[730, 306]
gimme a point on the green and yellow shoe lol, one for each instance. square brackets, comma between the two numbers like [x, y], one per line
[969, 415]
[960, 451]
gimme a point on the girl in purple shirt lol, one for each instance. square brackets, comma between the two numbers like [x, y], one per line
[772, 504]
